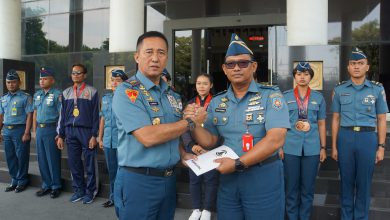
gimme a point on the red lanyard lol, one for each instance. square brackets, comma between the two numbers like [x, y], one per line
[76, 95]
[206, 103]
[302, 107]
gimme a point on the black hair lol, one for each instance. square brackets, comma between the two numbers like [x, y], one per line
[150, 34]
[310, 70]
[208, 76]
[82, 66]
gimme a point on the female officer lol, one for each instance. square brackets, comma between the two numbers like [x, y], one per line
[305, 143]
[210, 179]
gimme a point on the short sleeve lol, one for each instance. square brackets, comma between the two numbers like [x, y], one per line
[129, 109]
[209, 125]
[335, 102]
[322, 111]
[29, 105]
[34, 100]
[59, 102]
[276, 115]
[381, 103]
[1, 107]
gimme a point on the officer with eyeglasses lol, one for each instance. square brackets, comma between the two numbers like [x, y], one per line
[253, 119]
[359, 107]
[16, 117]
[79, 125]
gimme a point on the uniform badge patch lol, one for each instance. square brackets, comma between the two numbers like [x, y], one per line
[156, 121]
[249, 117]
[260, 118]
[132, 94]
[277, 103]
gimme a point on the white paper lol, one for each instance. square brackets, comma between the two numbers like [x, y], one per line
[205, 162]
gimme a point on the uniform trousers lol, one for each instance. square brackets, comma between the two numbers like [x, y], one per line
[143, 197]
[257, 193]
[356, 159]
[77, 140]
[49, 158]
[112, 167]
[17, 154]
[300, 174]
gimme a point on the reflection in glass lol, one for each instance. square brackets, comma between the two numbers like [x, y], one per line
[31, 9]
[34, 31]
[58, 35]
[59, 6]
[95, 29]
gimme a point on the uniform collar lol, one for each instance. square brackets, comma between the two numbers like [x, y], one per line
[365, 83]
[16, 93]
[252, 88]
[148, 83]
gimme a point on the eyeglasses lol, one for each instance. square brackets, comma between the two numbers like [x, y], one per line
[76, 72]
[240, 63]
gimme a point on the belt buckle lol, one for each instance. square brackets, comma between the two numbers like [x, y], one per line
[356, 129]
[42, 125]
[10, 126]
[168, 173]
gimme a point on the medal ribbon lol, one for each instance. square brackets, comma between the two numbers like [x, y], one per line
[76, 95]
[206, 102]
[302, 106]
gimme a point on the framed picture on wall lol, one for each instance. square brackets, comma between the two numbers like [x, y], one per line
[107, 74]
[318, 80]
[22, 76]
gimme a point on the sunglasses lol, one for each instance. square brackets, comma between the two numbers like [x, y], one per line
[77, 72]
[240, 63]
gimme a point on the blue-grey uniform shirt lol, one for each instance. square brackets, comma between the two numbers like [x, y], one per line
[298, 142]
[110, 137]
[48, 105]
[15, 107]
[358, 105]
[137, 106]
[261, 109]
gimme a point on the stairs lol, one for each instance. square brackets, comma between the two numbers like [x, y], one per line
[326, 199]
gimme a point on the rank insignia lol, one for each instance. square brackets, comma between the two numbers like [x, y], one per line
[249, 117]
[260, 118]
[150, 99]
[156, 121]
[253, 103]
[142, 87]
[132, 94]
[224, 99]
[222, 105]
[314, 103]
[155, 109]
[215, 120]
[224, 119]
[255, 98]
[277, 103]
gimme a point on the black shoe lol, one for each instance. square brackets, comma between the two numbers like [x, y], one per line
[10, 188]
[42, 192]
[20, 188]
[108, 204]
[55, 193]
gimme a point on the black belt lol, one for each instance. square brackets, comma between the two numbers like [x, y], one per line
[46, 125]
[269, 160]
[360, 128]
[151, 171]
[10, 127]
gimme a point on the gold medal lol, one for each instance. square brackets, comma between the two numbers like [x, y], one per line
[302, 126]
[76, 112]
[156, 121]
[306, 126]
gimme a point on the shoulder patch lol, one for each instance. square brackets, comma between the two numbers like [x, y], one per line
[287, 91]
[267, 86]
[132, 94]
[376, 83]
[220, 93]
[133, 82]
[275, 94]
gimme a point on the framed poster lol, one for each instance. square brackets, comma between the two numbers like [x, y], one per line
[318, 80]
[22, 76]
[107, 74]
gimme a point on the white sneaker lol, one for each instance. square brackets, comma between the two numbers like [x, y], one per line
[195, 215]
[206, 215]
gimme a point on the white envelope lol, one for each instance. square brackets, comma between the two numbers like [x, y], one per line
[205, 162]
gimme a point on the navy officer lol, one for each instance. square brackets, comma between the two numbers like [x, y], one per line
[359, 107]
[16, 118]
[253, 119]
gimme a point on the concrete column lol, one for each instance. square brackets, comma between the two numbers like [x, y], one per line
[195, 54]
[10, 31]
[126, 24]
[384, 56]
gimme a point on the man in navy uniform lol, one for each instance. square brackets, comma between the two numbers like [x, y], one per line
[16, 118]
[253, 119]
[359, 106]
[79, 124]
[108, 132]
[47, 107]
[149, 121]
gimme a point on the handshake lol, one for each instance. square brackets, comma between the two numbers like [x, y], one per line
[196, 113]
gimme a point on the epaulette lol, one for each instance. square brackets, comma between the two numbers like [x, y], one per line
[287, 91]
[268, 86]
[220, 93]
[133, 82]
[376, 83]
[340, 83]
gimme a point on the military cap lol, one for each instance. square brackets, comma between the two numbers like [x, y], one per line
[119, 73]
[357, 54]
[237, 47]
[166, 74]
[12, 75]
[46, 72]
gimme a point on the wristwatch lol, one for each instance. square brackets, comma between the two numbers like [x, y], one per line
[191, 124]
[240, 166]
[381, 145]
